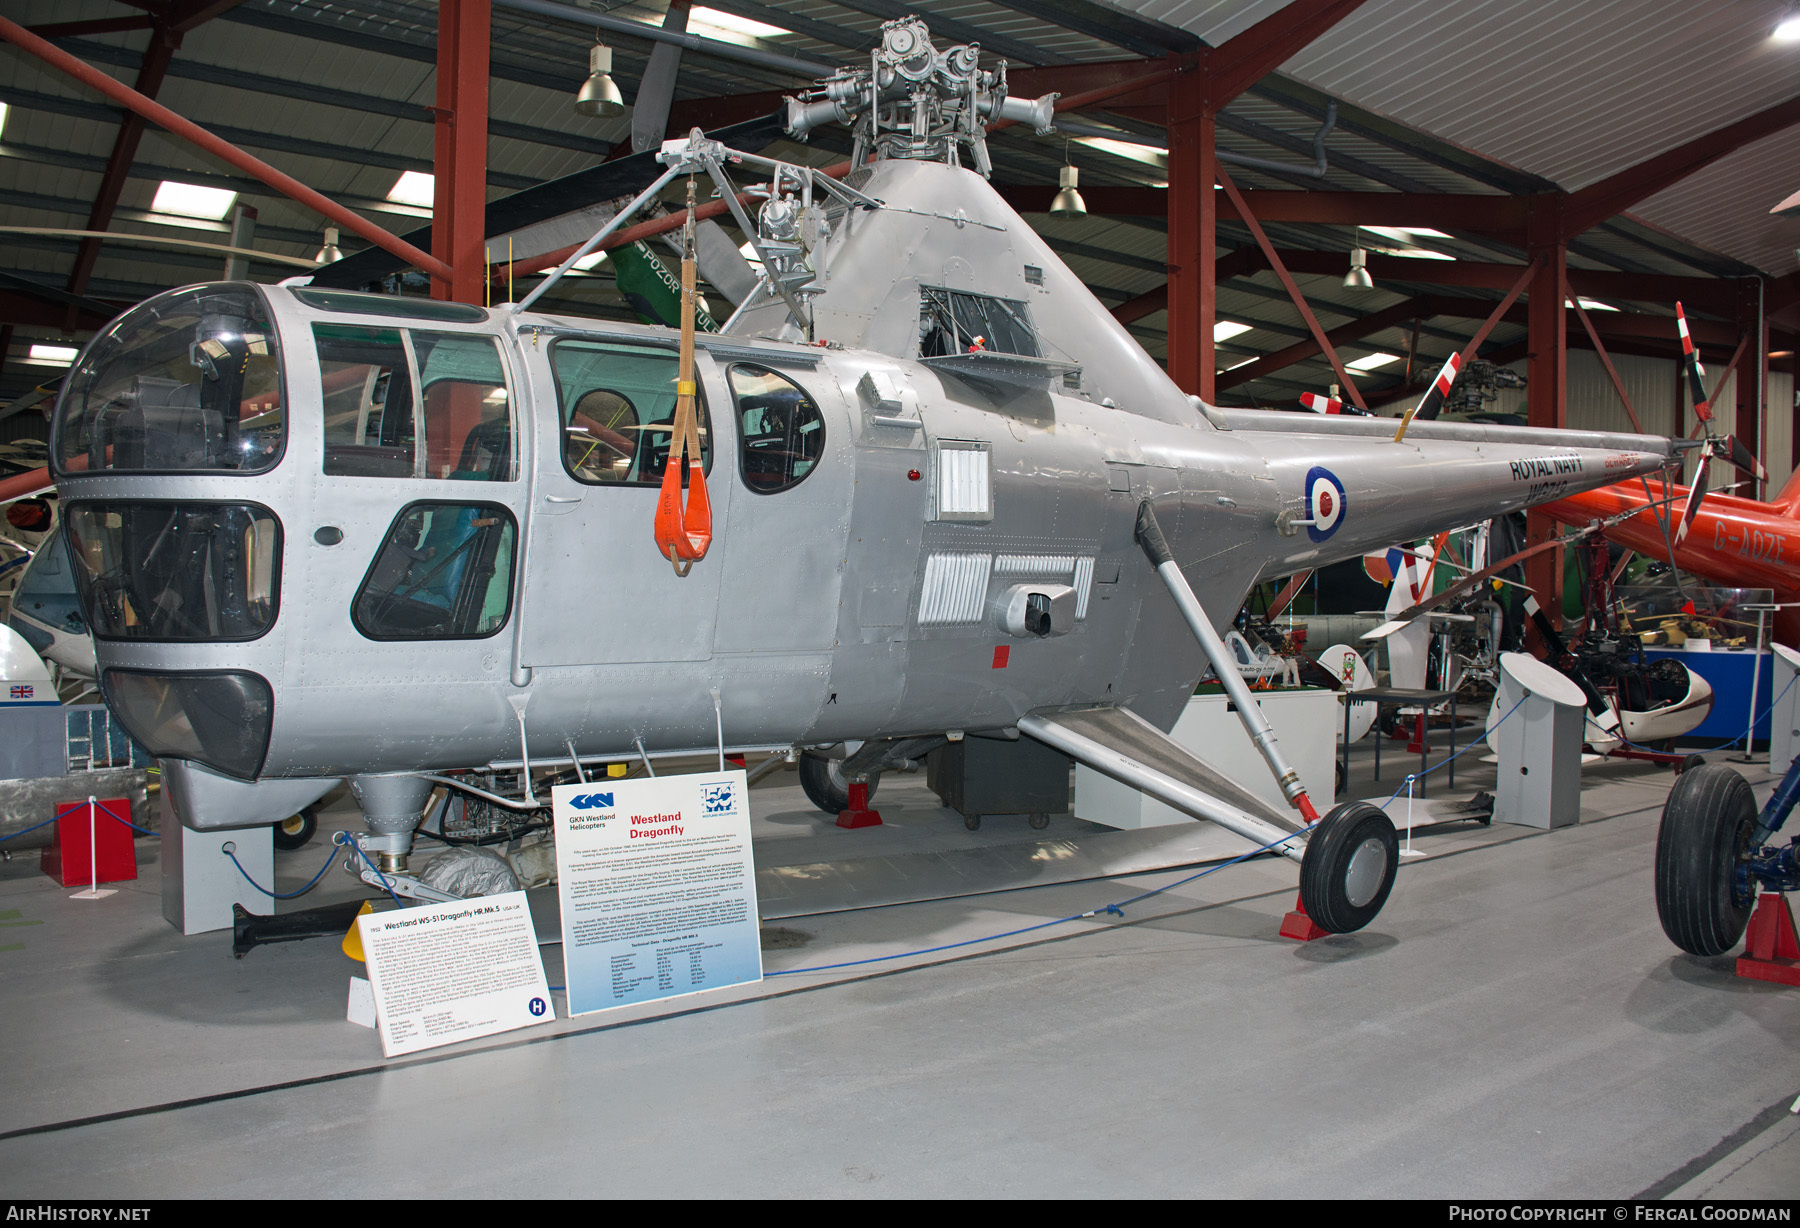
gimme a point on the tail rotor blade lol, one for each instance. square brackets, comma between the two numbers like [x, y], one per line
[1696, 373]
[1732, 449]
[1433, 400]
[1691, 508]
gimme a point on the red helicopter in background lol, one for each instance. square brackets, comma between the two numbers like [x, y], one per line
[1730, 540]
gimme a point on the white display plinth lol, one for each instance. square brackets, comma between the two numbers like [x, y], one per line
[1306, 721]
[1784, 717]
[1539, 745]
[199, 883]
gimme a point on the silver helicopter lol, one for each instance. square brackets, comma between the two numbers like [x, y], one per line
[921, 487]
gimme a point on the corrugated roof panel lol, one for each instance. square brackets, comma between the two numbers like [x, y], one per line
[1726, 206]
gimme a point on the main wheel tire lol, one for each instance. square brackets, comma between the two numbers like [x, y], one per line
[1349, 867]
[825, 784]
[296, 830]
[1706, 828]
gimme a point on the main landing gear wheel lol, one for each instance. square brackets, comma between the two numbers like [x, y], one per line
[294, 831]
[1706, 828]
[825, 784]
[1349, 867]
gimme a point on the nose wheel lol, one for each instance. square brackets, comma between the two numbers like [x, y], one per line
[1349, 867]
[1703, 890]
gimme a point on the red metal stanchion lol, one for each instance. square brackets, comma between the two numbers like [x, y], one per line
[859, 814]
[1772, 952]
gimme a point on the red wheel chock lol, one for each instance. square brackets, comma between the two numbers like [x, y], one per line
[859, 814]
[1300, 927]
[1772, 952]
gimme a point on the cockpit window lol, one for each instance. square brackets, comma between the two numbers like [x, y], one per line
[780, 429]
[956, 322]
[187, 381]
[617, 401]
[376, 426]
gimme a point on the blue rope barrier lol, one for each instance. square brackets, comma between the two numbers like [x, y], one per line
[1414, 777]
[32, 828]
[1115, 909]
[230, 852]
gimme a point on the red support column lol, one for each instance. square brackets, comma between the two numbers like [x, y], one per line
[1752, 377]
[151, 71]
[459, 203]
[1546, 377]
[1193, 248]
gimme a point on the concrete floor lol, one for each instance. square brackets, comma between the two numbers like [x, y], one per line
[1513, 1025]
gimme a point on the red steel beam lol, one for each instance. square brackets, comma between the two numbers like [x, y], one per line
[286, 184]
[1355, 330]
[1616, 193]
[107, 25]
[1250, 56]
[151, 71]
[184, 17]
[1146, 304]
[1306, 312]
[459, 204]
[1192, 242]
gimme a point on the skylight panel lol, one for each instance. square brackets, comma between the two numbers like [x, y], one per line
[1225, 330]
[192, 200]
[413, 188]
[1368, 362]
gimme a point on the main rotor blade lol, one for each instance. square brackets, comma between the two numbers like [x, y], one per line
[1691, 508]
[1696, 374]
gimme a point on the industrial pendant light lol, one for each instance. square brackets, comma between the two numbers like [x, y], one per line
[330, 253]
[1358, 277]
[599, 97]
[1067, 202]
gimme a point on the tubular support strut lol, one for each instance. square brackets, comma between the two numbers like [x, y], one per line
[1103, 758]
[1156, 548]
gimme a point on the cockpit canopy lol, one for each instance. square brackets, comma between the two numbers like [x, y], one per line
[187, 381]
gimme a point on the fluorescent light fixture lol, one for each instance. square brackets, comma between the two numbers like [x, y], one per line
[1404, 234]
[1225, 330]
[1234, 366]
[54, 355]
[1368, 362]
[1788, 30]
[1150, 155]
[589, 261]
[729, 27]
[191, 200]
[1594, 304]
[413, 188]
[2, 117]
[1418, 253]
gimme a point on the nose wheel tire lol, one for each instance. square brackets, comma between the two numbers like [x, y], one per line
[1349, 867]
[1706, 828]
[294, 831]
[825, 785]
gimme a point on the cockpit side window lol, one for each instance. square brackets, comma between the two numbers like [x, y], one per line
[187, 381]
[617, 406]
[956, 322]
[377, 426]
[780, 430]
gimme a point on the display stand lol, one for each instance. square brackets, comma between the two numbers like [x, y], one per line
[1539, 780]
[199, 882]
[1784, 716]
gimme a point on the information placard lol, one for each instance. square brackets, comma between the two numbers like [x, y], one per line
[456, 971]
[657, 886]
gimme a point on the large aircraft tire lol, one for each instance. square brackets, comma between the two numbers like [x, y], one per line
[1349, 867]
[823, 780]
[1706, 828]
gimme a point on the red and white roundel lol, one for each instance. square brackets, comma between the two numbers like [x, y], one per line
[1324, 503]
